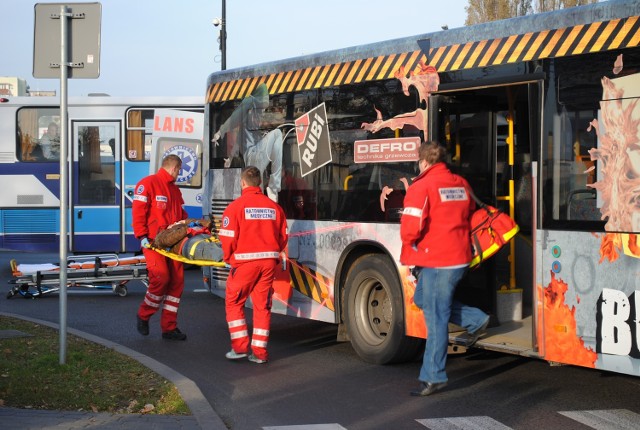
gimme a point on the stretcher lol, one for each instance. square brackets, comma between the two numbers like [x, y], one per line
[105, 271]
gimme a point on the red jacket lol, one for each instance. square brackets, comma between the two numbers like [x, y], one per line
[434, 227]
[157, 203]
[253, 227]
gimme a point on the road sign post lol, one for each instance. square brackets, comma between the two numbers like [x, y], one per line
[66, 45]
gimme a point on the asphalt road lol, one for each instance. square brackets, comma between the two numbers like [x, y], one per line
[312, 379]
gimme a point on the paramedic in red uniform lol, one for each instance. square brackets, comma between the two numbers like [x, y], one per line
[436, 240]
[253, 235]
[157, 203]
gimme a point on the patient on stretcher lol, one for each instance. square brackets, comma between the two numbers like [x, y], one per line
[190, 238]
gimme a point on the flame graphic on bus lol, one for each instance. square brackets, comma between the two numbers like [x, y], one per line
[613, 243]
[558, 328]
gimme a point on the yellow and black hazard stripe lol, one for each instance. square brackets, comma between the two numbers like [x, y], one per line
[311, 284]
[579, 39]
[351, 72]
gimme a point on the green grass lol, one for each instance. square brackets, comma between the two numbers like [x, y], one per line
[93, 378]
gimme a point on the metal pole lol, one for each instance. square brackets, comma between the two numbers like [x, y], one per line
[223, 35]
[64, 175]
[538, 301]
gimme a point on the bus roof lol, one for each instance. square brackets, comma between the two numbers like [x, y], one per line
[105, 101]
[591, 28]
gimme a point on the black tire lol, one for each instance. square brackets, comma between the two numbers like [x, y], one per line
[374, 312]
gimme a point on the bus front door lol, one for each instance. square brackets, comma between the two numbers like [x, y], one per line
[96, 222]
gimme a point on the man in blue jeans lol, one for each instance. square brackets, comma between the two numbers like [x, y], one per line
[435, 239]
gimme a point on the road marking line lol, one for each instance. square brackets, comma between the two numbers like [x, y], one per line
[333, 426]
[606, 419]
[466, 423]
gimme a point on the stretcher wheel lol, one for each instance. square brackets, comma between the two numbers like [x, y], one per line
[23, 290]
[121, 290]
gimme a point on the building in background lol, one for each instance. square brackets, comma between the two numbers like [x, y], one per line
[14, 86]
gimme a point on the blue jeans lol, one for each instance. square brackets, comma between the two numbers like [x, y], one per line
[434, 295]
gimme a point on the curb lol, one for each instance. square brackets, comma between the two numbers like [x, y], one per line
[204, 414]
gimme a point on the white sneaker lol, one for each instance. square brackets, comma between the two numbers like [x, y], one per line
[232, 355]
[255, 359]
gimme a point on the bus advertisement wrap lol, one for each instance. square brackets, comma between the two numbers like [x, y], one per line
[386, 150]
[314, 145]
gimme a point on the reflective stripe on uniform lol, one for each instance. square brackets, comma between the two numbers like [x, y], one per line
[151, 303]
[417, 212]
[239, 334]
[154, 297]
[172, 299]
[170, 308]
[256, 255]
[226, 233]
[259, 343]
[236, 323]
[261, 332]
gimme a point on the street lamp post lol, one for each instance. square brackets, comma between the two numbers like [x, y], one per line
[222, 22]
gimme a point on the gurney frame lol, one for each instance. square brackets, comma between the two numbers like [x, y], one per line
[106, 271]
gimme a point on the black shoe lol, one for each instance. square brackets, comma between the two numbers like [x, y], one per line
[143, 326]
[174, 334]
[473, 337]
[428, 388]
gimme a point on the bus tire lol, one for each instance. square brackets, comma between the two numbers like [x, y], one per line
[374, 312]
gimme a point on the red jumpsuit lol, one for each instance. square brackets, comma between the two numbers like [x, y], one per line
[253, 234]
[157, 203]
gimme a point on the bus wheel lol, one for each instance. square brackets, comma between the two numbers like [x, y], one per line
[374, 312]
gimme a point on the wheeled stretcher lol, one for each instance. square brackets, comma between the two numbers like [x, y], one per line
[106, 271]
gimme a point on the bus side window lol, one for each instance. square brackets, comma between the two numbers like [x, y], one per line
[33, 126]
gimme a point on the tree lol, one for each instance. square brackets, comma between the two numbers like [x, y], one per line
[479, 11]
[549, 5]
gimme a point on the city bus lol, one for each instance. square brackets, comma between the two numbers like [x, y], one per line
[541, 114]
[113, 143]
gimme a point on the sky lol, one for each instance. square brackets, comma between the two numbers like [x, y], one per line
[169, 47]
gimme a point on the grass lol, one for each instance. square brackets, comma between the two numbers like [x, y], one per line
[93, 378]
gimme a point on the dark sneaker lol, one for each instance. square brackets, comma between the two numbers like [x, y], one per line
[428, 388]
[473, 337]
[174, 334]
[143, 326]
[232, 355]
[255, 359]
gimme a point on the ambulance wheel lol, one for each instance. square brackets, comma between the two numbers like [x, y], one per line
[12, 293]
[374, 312]
[121, 291]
